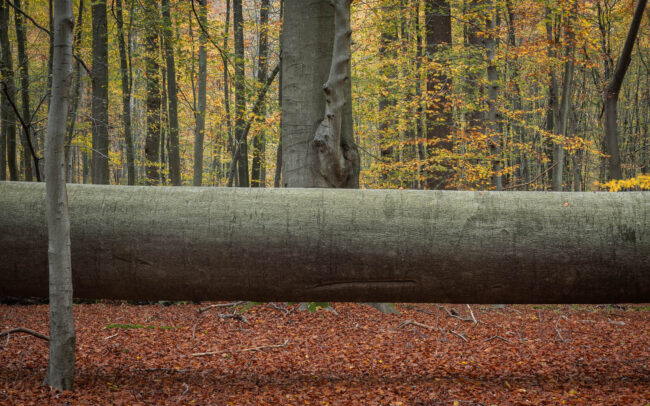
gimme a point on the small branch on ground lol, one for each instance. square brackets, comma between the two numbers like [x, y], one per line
[459, 335]
[235, 316]
[111, 336]
[453, 313]
[282, 308]
[557, 330]
[497, 338]
[618, 323]
[261, 347]
[471, 313]
[26, 331]
[219, 305]
[413, 323]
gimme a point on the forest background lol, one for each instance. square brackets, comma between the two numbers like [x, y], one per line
[471, 94]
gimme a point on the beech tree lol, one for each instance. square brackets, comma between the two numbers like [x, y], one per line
[100, 172]
[60, 369]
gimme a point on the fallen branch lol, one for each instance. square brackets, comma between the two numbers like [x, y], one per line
[453, 313]
[261, 347]
[557, 330]
[413, 323]
[219, 305]
[459, 335]
[26, 331]
[235, 316]
[498, 338]
[471, 313]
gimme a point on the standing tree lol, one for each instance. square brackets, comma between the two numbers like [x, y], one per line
[126, 94]
[100, 174]
[318, 148]
[60, 369]
[200, 114]
[174, 153]
[241, 145]
[438, 38]
[614, 88]
[258, 171]
[23, 64]
[152, 75]
[8, 89]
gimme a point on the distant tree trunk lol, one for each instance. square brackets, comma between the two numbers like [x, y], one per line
[438, 117]
[164, 117]
[76, 93]
[552, 110]
[172, 97]
[153, 102]
[126, 96]
[226, 84]
[60, 370]
[387, 99]
[241, 144]
[613, 89]
[23, 65]
[493, 93]
[100, 172]
[8, 89]
[199, 132]
[258, 171]
[565, 103]
[277, 179]
[307, 44]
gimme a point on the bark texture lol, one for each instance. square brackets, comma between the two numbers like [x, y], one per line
[8, 90]
[200, 114]
[172, 94]
[100, 172]
[613, 89]
[23, 65]
[60, 369]
[126, 94]
[152, 75]
[294, 244]
[307, 43]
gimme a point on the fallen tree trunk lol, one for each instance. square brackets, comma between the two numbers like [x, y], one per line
[151, 243]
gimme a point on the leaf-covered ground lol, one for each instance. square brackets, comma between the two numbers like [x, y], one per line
[428, 355]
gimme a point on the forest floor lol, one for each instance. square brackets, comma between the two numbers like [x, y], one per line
[276, 355]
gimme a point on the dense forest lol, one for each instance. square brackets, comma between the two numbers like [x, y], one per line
[471, 94]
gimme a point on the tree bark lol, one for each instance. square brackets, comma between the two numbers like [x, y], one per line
[241, 143]
[258, 171]
[152, 75]
[75, 96]
[23, 64]
[307, 44]
[613, 89]
[60, 370]
[339, 245]
[493, 93]
[200, 114]
[126, 95]
[172, 95]
[8, 89]
[100, 172]
[438, 113]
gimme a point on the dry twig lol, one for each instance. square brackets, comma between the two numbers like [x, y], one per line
[557, 330]
[497, 337]
[219, 305]
[261, 347]
[26, 331]
[413, 323]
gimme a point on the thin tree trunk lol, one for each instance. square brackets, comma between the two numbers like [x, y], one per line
[258, 170]
[76, 92]
[438, 117]
[8, 88]
[100, 172]
[23, 64]
[174, 153]
[226, 86]
[60, 370]
[493, 92]
[126, 95]
[199, 132]
[153, 102]
[241, 144]
[613, 89]
[277, 179]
